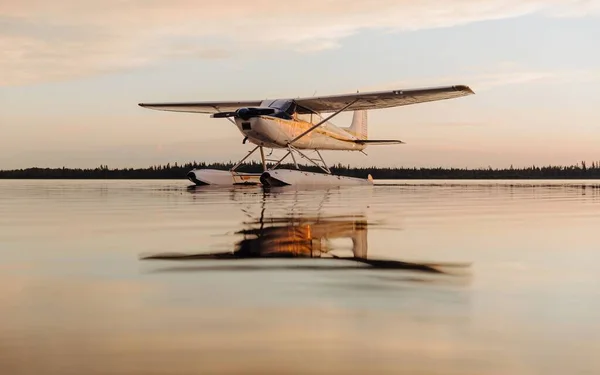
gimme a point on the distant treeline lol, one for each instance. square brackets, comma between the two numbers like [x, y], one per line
[579, 171]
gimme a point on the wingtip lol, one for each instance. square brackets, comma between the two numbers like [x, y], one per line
[464, 88]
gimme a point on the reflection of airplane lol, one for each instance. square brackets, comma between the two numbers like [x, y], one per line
[305, 236]
[296, 124]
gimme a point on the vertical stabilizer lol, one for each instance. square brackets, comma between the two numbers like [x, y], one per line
[359, 124]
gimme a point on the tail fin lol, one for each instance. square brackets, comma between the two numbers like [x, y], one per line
[359, 124]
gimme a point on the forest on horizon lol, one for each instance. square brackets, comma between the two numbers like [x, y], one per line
[175, 171]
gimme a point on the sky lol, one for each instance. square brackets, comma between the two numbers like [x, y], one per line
[73, 71]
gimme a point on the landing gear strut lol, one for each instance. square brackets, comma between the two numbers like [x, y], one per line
[291, 151]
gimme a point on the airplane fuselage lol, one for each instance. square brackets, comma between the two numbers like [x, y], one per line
[274, 132]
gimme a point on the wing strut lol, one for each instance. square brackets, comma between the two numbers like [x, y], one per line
[323, 121]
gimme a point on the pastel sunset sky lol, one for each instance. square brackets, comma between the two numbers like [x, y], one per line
[73, 71]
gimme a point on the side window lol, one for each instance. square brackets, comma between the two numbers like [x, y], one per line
[291, 108]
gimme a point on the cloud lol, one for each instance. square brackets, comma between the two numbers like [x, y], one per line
[45, 41]
[489, 81]
[500, 75]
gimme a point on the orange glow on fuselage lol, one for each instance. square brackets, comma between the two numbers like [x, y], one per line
[277, 132]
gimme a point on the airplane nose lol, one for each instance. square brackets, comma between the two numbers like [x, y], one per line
[244, 113]
[191, 176]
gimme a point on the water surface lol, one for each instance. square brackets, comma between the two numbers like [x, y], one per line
[436, 277]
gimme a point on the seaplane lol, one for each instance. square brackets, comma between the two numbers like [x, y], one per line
[299, 126]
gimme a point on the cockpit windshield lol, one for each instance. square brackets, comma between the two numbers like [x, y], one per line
[287, 107]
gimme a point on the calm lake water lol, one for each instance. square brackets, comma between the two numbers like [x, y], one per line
[419, 277]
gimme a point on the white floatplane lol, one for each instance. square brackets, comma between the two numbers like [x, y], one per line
[297, 126]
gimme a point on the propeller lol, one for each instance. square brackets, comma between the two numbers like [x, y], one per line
[245, 113]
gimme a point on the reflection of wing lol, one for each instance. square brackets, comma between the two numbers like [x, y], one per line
[202, 107]
[382, 99]
[368, 100]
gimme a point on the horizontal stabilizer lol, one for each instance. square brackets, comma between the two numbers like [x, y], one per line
[378, 142]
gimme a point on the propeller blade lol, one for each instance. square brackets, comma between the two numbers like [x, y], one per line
[265, 111]
[223, 114]
[246, 113]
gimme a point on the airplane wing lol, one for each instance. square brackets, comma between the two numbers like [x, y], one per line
[380, 99]
[202, 107]
[333, 103]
